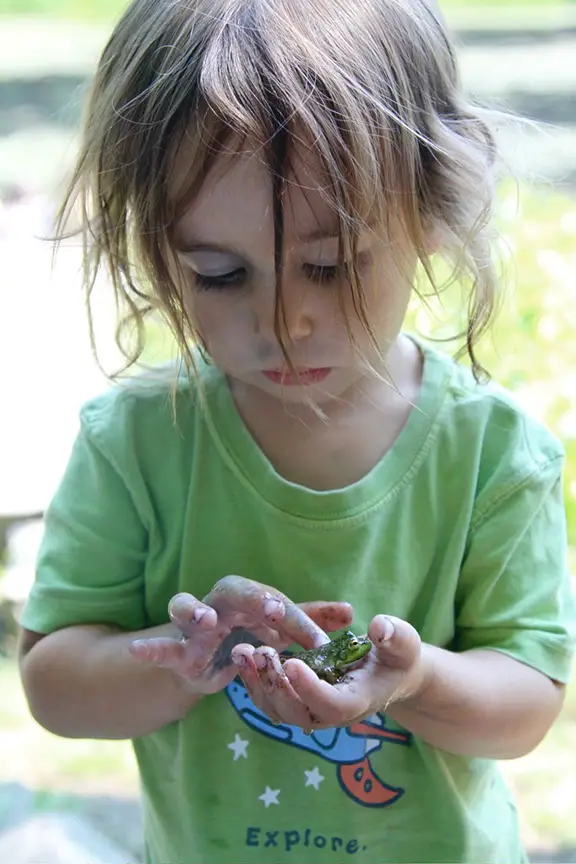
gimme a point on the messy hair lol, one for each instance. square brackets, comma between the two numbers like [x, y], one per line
[372, 85]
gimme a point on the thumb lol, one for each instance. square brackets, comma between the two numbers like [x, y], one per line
[397, 643]
[159, 651]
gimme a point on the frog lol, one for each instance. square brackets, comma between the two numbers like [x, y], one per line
[331, 661]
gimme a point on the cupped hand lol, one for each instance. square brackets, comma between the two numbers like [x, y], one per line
[198, 643]
[292, 693]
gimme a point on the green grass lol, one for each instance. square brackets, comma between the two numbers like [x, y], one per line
[82, 10]
[501, 4]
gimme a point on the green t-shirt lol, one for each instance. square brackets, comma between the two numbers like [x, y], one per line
[459, 529]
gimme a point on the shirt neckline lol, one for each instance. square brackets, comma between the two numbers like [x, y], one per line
[252, 467]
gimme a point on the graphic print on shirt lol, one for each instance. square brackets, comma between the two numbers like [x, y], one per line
[348, 748]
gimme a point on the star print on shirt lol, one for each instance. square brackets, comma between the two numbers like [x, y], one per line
[314, 778]
[238, 746]
[270, 796]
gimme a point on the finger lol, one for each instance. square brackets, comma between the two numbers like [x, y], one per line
[248, 672]
[159, 651]
[269, 688]
[187, 613]
[299, 628]
[329, 616]
[237, 636]
[279, 691]
[330, 705]
[397, 643]
[267, 606]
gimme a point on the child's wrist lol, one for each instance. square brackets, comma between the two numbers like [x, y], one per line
[419, 680]
[188, 692]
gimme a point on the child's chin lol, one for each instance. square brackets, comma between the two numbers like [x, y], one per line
[317, 394]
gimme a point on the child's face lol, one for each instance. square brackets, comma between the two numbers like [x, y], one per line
[226, 242]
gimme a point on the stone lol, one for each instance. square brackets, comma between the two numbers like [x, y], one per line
[16, 804]
[54, 838]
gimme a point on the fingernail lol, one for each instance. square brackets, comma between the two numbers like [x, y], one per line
[199, 614]
[389, 629]
[139, 646]
[272, 607]
[260, 661]
[240, 660]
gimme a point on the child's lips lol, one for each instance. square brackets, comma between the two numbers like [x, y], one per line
[305, 377]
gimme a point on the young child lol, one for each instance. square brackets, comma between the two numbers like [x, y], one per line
[272, 176]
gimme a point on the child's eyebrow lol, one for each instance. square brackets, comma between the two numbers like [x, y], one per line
[317, 235]
[190, 244]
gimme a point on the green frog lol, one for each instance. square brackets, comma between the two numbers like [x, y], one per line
[331, 661]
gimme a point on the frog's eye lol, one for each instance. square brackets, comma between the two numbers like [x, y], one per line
[353, 643]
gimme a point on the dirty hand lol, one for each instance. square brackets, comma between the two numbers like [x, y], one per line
[292, 693]
[198, 643]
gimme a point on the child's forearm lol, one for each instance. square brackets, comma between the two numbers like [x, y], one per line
[480, 703]
[81, 682]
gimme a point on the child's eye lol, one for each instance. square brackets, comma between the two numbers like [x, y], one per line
[222, 280]
[321, 273]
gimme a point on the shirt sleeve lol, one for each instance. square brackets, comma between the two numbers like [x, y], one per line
[92, 557]
[515, 593]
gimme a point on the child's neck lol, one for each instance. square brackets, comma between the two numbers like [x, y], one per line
[360, 427]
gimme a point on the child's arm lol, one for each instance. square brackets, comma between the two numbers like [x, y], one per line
[81, 682]
[480, 703]
[97, 681]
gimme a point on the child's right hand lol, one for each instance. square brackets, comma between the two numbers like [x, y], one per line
[237, 610]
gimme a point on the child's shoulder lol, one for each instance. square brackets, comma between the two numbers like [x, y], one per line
[489, 418]
[151, 404]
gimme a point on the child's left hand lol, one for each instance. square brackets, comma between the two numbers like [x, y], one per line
[292, 693]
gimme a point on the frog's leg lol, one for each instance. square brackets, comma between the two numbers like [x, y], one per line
[331, 675]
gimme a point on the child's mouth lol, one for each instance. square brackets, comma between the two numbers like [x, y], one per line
[304, 378]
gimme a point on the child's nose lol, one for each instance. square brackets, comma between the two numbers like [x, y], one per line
[294, 317]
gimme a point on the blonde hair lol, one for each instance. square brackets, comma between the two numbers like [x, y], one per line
[371, 84]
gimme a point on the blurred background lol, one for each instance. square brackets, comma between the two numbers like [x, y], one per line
[74, 802]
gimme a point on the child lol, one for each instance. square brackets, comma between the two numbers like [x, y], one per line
[269, 174]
